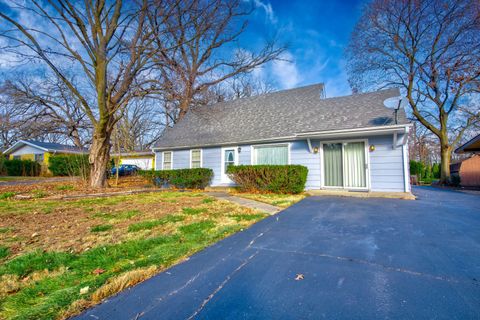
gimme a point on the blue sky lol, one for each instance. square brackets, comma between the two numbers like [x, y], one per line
[316, 33]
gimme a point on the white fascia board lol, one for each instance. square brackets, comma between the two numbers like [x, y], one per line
[356, 132]
[19, 144]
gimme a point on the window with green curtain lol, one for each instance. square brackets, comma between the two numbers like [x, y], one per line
[332, 164]
[167, 160]
[196, 161]
[271, 155]
[354, 161]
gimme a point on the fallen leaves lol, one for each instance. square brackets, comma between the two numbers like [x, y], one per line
[299, 277]
[98, 271]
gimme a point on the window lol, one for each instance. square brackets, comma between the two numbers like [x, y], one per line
[17, 157]
[167, 160]
[39, 157]
[196, 158]
[276, 154]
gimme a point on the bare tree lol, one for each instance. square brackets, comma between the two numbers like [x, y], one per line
[141, 125]
[106, 42]
[50, 103]
[431, 49]
[203, 35]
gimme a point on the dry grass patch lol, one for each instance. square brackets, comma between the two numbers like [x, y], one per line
[59, 248]
[123, 281]
[278, 200]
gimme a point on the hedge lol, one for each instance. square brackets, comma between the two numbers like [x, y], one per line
[269, 178]
[197, 178]
[16, 167]
[69, 165]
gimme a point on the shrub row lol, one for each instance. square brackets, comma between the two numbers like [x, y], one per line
[16, 167]
[269, 178]
[69, 165]
[197, 178]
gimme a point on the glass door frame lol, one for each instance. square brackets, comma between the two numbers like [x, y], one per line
[367, 163]
[223, 176]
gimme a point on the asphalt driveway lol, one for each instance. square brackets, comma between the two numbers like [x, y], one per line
[359, 259]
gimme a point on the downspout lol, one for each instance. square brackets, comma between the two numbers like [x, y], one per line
[309, 143]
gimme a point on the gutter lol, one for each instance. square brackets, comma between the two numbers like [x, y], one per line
[297, 136]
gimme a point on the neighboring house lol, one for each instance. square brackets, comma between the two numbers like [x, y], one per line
[40, 151]
[473, 146]
[143, 159]
[468, 169]
[352, 142]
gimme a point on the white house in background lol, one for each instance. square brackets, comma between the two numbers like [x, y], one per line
[352, 142]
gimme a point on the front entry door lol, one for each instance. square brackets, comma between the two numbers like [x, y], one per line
[344, 165]
[229, 157]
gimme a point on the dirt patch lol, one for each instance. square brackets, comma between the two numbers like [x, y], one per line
[67, 225]
[71, 187]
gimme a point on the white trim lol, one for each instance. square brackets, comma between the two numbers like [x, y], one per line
[309, 143]
[253, 151]
[15, 147]
[171, 159]
[297, 136]
[406, 166]
[367, 163]
[201, 157]
[380, 129]
[223, 177]
[394, 143]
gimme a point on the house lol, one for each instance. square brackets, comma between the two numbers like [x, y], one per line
[473, 146]
[352, 142]
[40, 151]
[144, 159]
[468, 169]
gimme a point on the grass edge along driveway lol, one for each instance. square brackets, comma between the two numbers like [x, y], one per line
[38, 282]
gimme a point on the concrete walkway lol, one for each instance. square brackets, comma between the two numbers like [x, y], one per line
[246, 202]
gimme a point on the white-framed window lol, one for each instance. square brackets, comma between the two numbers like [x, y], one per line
[277, 154]
[196, 158]
[39, 157]
[167, 161]
[18, 157]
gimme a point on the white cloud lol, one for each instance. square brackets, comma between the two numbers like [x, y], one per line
[267, 7]
[285, 71]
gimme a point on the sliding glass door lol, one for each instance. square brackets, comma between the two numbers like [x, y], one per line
[344, 165]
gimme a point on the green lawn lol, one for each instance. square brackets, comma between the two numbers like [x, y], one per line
[59, 257]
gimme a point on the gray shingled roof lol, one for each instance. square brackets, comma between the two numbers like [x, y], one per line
[50, 146]
[279, 114]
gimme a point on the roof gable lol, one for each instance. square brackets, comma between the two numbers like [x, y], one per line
[46, 147]
[278, 115]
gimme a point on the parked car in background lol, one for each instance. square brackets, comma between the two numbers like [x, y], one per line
[125, 170]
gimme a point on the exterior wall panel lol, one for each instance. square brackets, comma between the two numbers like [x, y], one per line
[386, 165]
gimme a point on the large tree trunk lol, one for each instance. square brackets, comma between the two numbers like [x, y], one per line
[98, 158]
[446, 154]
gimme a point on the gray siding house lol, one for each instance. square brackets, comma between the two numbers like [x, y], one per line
[352, 142]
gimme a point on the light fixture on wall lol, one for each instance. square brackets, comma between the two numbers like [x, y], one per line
[315, 149]
[239, 149]
[372, 148]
